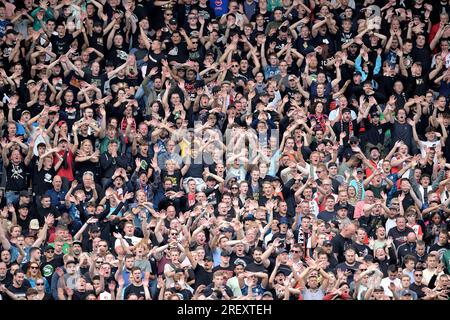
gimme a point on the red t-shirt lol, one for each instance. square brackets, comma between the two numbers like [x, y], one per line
[65, 172]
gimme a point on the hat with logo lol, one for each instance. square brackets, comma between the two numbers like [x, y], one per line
[34, 224]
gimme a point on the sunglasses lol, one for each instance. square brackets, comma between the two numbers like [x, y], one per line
[418, 274]
[40, 284]
[295, 251]
[34, 268]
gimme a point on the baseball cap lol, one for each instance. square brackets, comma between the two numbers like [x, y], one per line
[283, 220]
[227, 229]
[25, 111]
[359, 170]
[327, 243]
[209, 258]
[23, 205]
[76, 242]
[34, 224]
[240, 262]
[353, 138]
[94, 228]
[24, 193]
[62, 139]
[283, 251]
[173, 21]
[268, 294]
[368, 258]
[30, 82]
[48, 247]
[342, 207]
[357, 73]
[225, 253]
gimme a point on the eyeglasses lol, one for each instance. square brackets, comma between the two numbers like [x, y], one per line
[194, 42]
[168, 14]
[295, 251]
[50, 251]
[39, 283]
[192, 18]
[234, 188]
[235, 66]
[418, 274]
[34, 267]
[99, 261]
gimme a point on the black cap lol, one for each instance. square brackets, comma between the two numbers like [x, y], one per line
[24, 193]
[282, 251]
[240, 262]
[327, 243]
[227, 229]
[77, 242]
[94, 228]
[359, 170]
[368, 258]
[263, 93]
[357, 73]
[353, 138]
[342, 207]
[209, 258]
[225, 253]
[23, 205]
[48, 247]
[173, 21]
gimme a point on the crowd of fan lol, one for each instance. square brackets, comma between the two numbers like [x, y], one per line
[224, 150]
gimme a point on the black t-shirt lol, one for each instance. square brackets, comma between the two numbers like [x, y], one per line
[340, 244]
[61, 45]
[117, 56]
[20, 292]
[361, 249]
[137, 290]
[44, 180]
[48, 268]
[202, 276]
[175, 178]
[399, 236]
[256, 267]
[16, 179]
[96, 41]
[327, 216]
[98, 80]
[178, 53]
